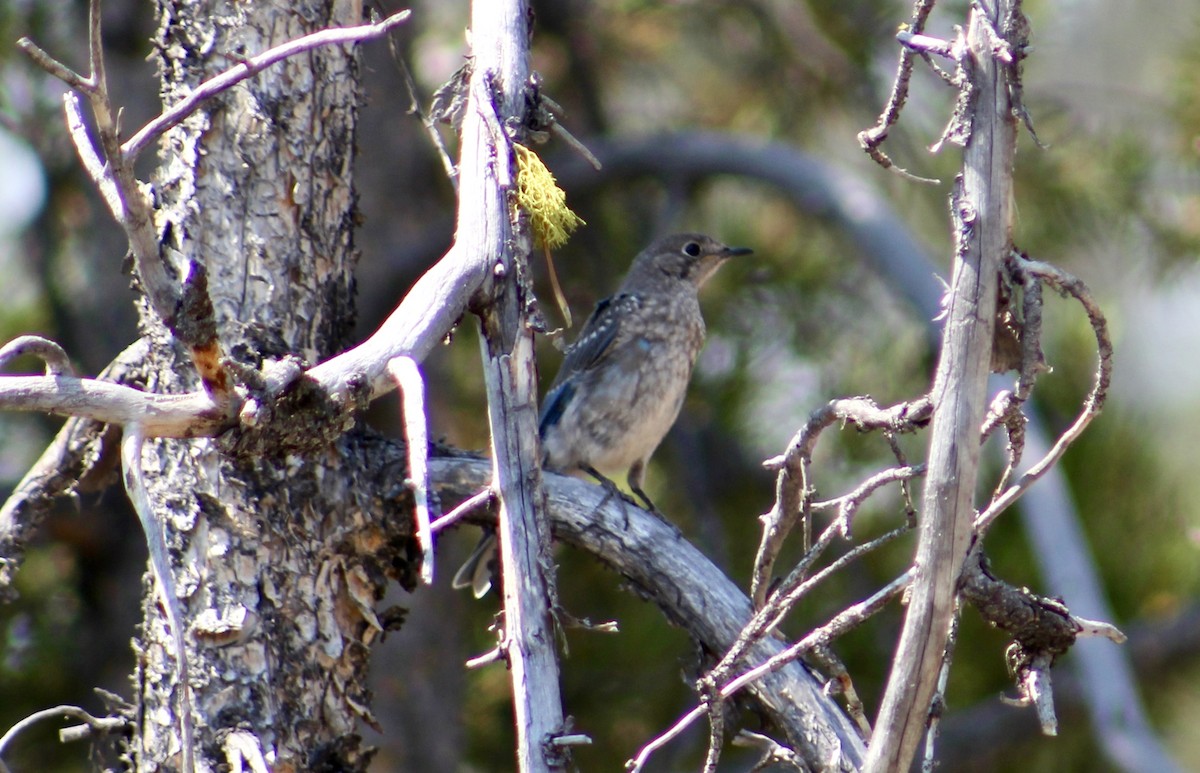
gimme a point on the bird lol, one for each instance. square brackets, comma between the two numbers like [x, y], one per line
[622, 382]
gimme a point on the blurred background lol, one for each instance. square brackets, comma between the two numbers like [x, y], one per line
[1114, 92]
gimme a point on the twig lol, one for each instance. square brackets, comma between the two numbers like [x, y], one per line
[716, 733]
[56, 68]
[414, 108]
[1092, 406]
[774, 753]
[491, 656]
[937, 706]
[792, 495]
[92, 163]
[1098, 629]
[791, 591]
[57, 362]
[94, 724]
[241, 747]
[188, 415]
[250, 67]
[653, 558]
[484, 497]
[1035, 688]
[840, 682]
[871, 139]
[982, 216]
[844, 621]
[847, 504]
[114, 176]
[412, 392]
[135, 487]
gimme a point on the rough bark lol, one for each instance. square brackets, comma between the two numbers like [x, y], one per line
[270, 534]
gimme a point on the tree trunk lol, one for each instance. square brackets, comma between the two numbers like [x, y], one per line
[267, 531]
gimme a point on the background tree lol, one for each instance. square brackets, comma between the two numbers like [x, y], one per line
[637, 56]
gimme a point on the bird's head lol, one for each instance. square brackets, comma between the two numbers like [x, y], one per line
[692, 258]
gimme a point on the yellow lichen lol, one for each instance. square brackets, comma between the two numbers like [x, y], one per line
[539, 195]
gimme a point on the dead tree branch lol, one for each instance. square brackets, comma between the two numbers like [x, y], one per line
[982, 207]
[793, 494]
[692, 592]
[489, 225]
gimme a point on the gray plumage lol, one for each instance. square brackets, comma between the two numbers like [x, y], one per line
[622, 382]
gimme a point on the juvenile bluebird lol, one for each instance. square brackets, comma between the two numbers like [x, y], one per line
[622, 382]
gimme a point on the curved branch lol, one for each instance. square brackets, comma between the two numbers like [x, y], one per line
[57, 361]
[692, 592]
[1067, 283]
[249, 68]
[194, 414]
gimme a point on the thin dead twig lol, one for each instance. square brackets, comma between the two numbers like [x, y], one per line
[186, 309]
[248, 68]
[844, 621]
[871, 139]
[156, 543]
[793, 589]
[94, 724]
[57, 361]
[793, 497]
[482, 498]
[414, 108]
[840, 682]
[1093, 404]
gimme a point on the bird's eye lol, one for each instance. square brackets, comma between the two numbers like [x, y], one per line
[691, 249]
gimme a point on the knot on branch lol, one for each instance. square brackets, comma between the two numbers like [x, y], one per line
[1042, 628]
[290, 411]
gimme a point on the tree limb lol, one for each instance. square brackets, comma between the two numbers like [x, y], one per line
[692, 592]
[983, 215]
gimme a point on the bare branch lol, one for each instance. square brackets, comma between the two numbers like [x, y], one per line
[186, 309]
[692, 592]
[1065, 282]
[483, 498]
[844, 621]
[57, 362]
[56, 68]
[429, 310]
[250, 67]
[94, 724]
[1098, 628]
[871, 139]
[160, 563]
[774, 753]
[92, 163]
[241, 747]
[790, 593]
[414, 108]
[412, 392]
[792, 495]
[982, 213]
[187, 415]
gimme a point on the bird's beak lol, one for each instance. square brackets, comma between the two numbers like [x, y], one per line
[733, 252]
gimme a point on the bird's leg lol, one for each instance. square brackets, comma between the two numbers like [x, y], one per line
[611, 489]
[636, 473]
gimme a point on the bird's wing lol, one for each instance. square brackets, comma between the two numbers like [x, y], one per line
[601, 332]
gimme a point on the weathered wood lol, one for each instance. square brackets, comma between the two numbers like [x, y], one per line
[693, 594]
[982, 210]
[486, 227]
